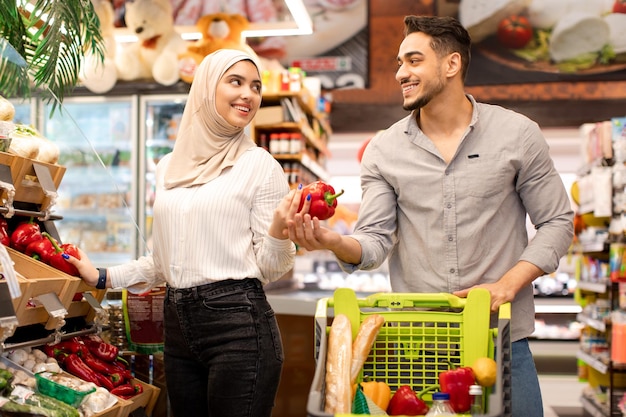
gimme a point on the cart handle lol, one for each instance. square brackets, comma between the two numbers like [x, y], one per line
[400, 300]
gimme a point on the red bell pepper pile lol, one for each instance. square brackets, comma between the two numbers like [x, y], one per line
[24, 234]
[28, 238]
[93, 360]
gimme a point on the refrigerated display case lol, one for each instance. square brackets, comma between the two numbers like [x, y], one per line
[24, 111]
[97, 197]
[160, 117]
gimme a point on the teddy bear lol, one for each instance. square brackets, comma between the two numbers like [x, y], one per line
[218, 31]
[96, 74]
[155, 54]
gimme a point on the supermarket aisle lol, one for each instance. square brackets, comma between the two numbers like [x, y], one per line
[561, 395]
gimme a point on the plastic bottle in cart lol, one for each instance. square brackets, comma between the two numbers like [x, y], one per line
[441, 405]
[476, 393]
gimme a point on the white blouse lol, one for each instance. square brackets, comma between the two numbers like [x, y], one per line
[215, 231]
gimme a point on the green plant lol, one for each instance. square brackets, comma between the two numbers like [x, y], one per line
[42, 43]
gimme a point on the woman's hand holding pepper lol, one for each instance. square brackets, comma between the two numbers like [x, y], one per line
[285, 210]
[87, 271]
[307, 231]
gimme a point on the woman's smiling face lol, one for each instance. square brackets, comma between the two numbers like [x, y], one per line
[238, 94]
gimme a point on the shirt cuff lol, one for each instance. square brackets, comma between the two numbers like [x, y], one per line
[278, 244]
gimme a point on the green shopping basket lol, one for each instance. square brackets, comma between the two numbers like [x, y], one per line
[421, 336]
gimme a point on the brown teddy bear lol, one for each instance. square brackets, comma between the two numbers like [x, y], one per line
[219, 31]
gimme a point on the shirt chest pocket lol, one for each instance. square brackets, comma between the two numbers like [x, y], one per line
[481, 175]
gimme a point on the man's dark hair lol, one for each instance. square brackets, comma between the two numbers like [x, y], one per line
[447, 33]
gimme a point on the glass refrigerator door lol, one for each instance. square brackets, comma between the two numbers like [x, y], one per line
[25, 111]
[160, 116]
[97, 196]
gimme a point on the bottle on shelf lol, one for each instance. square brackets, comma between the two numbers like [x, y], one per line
[441, 405]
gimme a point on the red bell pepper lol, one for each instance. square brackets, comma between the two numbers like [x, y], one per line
[323, 199]
[405, 402]
[24, 234]
[457, 382]
[56, 259]
[4, 232]
[41, 250]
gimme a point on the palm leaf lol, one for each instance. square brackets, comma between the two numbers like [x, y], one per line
[42, 43]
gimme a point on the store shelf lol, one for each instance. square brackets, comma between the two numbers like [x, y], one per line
[597, 287]
[599, 325]
[596, 363]
[592, 407]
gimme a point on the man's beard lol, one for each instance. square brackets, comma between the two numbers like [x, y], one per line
[428, 95]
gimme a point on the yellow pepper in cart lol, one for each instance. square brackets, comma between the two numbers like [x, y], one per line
[377, 391]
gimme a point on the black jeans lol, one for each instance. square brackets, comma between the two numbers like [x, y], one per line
[223, 352]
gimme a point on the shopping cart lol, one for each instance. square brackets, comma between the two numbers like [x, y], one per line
[422, 335]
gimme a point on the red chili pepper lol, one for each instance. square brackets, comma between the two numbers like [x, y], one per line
[65, 346]
[323, 199]
[100, 349]
[405, 402]
[457, 382]
[75, 366]
[24, 234]
[41, 249]
[122, 369]
[4, 232]
[56, 257]
[100, 366]
[129, 389]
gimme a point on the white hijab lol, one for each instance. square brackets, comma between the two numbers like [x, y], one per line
[206, 143]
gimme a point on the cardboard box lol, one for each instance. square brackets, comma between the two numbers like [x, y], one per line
[269, 115]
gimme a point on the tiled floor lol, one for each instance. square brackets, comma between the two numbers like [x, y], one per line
[561, 395]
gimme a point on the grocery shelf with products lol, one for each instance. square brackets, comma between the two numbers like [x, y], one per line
[601, 291]
[293, 125]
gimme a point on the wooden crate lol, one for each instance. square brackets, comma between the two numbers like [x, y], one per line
[42, 279]
[146, 399]
[27, 185]
[82, 308]
[116, 410]
[24, 285]
[24, 289]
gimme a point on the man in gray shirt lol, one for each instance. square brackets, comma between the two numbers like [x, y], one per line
[446, 191]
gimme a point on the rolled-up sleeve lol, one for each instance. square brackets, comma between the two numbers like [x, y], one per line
[547, 203]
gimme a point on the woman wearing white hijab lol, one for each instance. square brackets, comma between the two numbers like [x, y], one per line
[219, 214]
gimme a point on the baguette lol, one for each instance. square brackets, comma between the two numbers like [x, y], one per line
[338, 360]
[363, 343]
